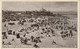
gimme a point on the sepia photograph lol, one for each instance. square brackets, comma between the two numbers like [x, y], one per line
[39, 24]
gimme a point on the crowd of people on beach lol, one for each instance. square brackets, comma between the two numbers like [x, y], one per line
[37, 28]
[43, 28]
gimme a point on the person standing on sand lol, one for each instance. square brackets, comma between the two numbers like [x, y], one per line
[14, 33]
[53, 42]
[25, 41]
[5, 25]
[32, 38]
[35, 45]
[18, 35]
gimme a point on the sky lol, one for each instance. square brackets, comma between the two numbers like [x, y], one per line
[31, 6]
